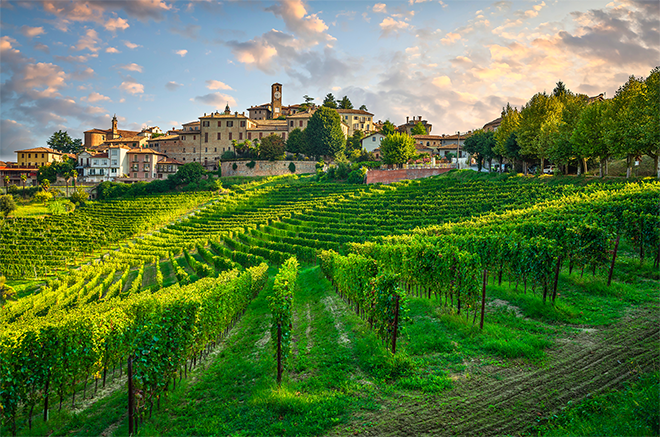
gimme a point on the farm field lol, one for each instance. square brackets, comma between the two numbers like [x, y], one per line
[182, 285]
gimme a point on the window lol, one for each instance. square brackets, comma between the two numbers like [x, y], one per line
[291, 123]
[184, 150]
[373, 138]
[300, 123]
[135, 175]
[184, 159]
[240, 135]
[242, 123]
[206, 149]
[194, 150]
[219, 123]
[30, 155]
[284, 136]
[249, 135]
[230, 124]
[22, 155]
[215, 149]
[42, 155]
[194, 137]
[230, 136]
[134, 144]
[206, 137]
[260, 134]
[183, 138]
[219, 136]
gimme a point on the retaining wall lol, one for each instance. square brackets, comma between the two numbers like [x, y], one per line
[266, 168]
[394, 175]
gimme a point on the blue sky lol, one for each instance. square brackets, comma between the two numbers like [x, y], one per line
[72, 65]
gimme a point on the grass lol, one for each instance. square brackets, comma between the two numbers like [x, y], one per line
[632, 411]
[30, 210]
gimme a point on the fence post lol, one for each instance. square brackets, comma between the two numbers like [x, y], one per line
[616, 247]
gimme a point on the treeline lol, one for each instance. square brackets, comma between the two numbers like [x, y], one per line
[567, 129]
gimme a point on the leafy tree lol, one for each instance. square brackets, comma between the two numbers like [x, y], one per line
[397, 148]
[296, 143]
[345, 103]
[45, 185]
[540, 119]
[7, 205]
[560, 90]
[43, 196]
[52, 170]
[588, 136]
[6, 178]
[363, 108]
[509, 124]
[308, 103]
[649, 117]
[308, 99]
[355, 142]
[189, 173]
[561, 150]
[624, 135]
[79, 195]
[323, 133]
[23, 180]
[481, 145]
[388, 128]
[418, 129]
[272, 148]
[62, 142]
[330, 102]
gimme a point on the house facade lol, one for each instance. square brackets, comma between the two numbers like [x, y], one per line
[372, 142]
[142, 164]
[38, 156]
[412, 122]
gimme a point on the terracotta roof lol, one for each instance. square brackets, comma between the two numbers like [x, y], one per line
[40, 149]
[353, 111]
[163, 138]
[146, 152]
[428, 137]
[170, 161]
[264, 106]
[97, 131]
[125, 140]
[375, 133]
[271, 122]
[123, 133]
[192, 123]
[305, 114]
[222, 115]
[101, 155]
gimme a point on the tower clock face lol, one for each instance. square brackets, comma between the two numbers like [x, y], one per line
[277, 94]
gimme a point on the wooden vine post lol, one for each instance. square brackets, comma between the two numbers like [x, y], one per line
[483, 300]
[616, 248]
[396, 323]
[279, 354]
[131, 398]
[554, 289]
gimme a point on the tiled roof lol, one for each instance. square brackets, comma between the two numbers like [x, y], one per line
[192, 123]
[41, 149]
[145, 152]
[170, 161]
[428, 137]
[163, 138]
[353, 111]
[222, 115]
[271, 122]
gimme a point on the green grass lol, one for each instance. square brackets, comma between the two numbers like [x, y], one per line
[30, 210]
[632, 411]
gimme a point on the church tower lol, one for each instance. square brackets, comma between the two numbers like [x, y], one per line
[115, 133]
[276, 99]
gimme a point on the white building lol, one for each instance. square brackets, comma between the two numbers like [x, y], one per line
[104, 166]
[372, 142]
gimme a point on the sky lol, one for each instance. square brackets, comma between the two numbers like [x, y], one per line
[72, 65]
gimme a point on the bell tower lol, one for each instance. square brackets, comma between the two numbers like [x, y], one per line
[115, 134]
[276, 99]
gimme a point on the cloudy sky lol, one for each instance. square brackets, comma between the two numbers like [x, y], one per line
[72, 65]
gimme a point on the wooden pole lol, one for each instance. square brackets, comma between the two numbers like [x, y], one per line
[616, 248]
[396, 323]
[483, 301]
[279, 354]
[131, 400]
[554, 289]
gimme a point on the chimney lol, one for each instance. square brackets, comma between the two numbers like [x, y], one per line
[420, 117]
[407, 119]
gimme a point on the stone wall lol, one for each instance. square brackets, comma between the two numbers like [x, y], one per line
[394, 175]
[266, 168]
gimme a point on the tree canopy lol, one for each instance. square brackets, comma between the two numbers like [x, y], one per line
[481, 145]
[329, 101]
[418, 129]
[272, 147]
[61, 141]
[345, 103]
[323, 133]
[297, 143]
[189, 173]
[397, 148]
[388, 128]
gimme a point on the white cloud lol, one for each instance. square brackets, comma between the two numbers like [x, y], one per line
[442, 82]
[131, 67]
[298, 21]
[217, 85]
[215, 100]
[112, 50]
[173, 86]
[380, 8]
[181, 53]
[131, 45]
[114, 24]
[131, 86]
[450, 38]
[389, 25]
[31, 32]
[96, 97]
[88, 42]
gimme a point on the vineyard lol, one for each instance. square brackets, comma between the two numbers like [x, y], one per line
[289, 307]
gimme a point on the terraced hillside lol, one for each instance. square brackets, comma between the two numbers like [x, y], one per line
[553, 327]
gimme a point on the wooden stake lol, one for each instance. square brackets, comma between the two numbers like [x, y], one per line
[483, 301]
[616, 248]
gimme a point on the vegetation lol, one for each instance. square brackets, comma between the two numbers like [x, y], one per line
[7, 205]
[323, 133]
[62, 142]
[272, 148]
[397, 148]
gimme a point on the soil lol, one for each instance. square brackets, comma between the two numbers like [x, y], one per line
[497, 401]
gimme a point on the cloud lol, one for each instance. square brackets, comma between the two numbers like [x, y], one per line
[172, 86]
[216, 100]
[36, 80]
[96, 97]
[88, 42]
[41, 47]
[181, 53]
[131, 86]
[9, 55]
[380, 8]
[112, 50]
[298, 21]
[73, 59]
[131, 67]
[217, 85]
[450, 38]
[15, 136]
[190, 31]
[31, 32]
[114, 24]
[389, 25]
[131, 45]
[85, 74]
[442, 82]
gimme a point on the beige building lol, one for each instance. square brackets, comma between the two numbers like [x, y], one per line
[357, 119]
[96, 137]
[38, 157]
[412, 122]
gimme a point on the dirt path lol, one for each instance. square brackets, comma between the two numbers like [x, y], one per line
[508, 401]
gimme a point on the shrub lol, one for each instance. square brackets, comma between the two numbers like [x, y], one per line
[228, 155]
[292, 167]
[79, 196]
[234, 166]
[357, 176]
[250, 164]
[7, 204]
[43, 196]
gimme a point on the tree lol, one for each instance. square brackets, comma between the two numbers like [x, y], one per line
[7, 205]
[510, 123]
[561, 150]
[388, 128]
[45, 185]
[649, 117]
[323, 133]
[308, 103]
[79, 195]
[345, 103]
[624, 135]
[23, 179]
[296, 143]
[480, 145]
[355, 142]
[397, 148]
[330, 102]
[588, 136]
[52, 170]
[189, 173]
[272, 148]
[418, 129]
[6, 178]
[539, 120]
[74, 176]
[363, 108]
[62, 142]
[560, 90]
[67, 177]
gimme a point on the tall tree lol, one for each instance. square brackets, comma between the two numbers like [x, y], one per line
[323, 133]
[308, 103]
[539, 120]
[624, 133]
[297, 142]
[418, 129]
[62, 142]
[649, 109]
[588, 136]
[561, 150]
[330, 102]
[481, 145]
[560, 90]
[363, 108]
[272, 148]
[345, 103]
[355, 142]
[388, 128]
[509, 125]
[397, 148]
